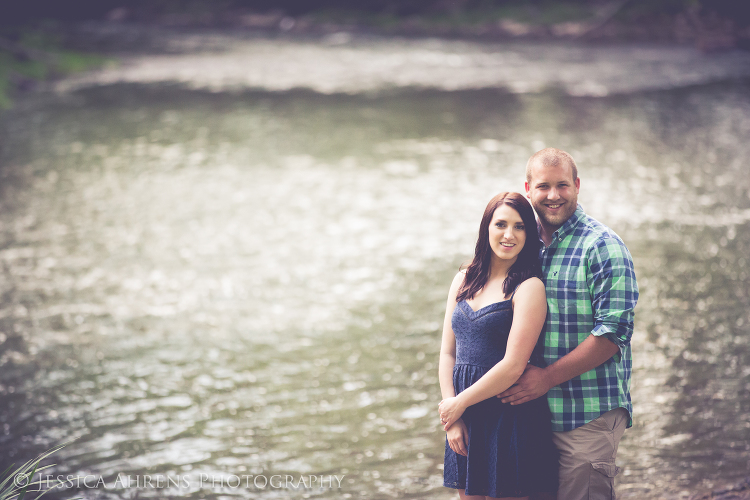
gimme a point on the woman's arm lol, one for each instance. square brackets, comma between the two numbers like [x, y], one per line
[457, 435]
[529, 313]
[448, 345]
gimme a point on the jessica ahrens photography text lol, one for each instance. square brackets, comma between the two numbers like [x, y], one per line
[189, 482]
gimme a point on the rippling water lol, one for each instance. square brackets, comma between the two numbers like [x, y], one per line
[252, 283]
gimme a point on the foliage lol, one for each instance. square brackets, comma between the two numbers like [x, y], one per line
[533, 13]
[144, 10]
[29, 55]
[15, 485]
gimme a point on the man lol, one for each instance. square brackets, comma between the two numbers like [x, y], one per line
[591, 294]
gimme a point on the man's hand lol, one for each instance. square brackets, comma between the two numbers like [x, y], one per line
[532, 384]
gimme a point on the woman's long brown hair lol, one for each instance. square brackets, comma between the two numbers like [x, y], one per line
[527, 263]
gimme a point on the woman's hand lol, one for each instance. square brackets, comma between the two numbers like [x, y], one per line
[450, 410]
[458, 438]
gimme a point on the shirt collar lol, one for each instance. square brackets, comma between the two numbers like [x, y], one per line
[568, 226]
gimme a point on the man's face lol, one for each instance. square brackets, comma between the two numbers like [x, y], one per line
[553, 193]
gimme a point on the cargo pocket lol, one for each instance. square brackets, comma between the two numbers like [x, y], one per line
[602, 480]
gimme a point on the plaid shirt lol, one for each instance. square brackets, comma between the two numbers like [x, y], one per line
[591, 289]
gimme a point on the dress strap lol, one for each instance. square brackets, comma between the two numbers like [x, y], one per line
[514, 292]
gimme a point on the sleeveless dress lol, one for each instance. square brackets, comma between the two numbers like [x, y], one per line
[510, 452]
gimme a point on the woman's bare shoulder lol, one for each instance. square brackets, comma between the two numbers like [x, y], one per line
[532, 287]
[458, 280]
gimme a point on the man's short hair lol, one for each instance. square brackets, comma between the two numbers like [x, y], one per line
[551, 157]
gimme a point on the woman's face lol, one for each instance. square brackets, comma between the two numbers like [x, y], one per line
[507, 233]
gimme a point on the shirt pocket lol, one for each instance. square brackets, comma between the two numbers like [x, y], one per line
[576, 298]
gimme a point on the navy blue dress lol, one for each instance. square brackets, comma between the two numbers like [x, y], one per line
[511, 453]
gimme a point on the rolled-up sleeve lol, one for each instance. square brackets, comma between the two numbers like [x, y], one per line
[614, 291]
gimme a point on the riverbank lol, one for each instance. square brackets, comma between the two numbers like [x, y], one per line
[611, 22]
[349, 63]
[46, 50]
[31, 56]
[710, 26]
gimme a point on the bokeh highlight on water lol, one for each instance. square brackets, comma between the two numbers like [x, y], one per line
[253, 282]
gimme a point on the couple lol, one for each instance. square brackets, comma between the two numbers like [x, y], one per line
[543, 308]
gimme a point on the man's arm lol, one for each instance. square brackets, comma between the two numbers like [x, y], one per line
[535, 382]
[614, 293]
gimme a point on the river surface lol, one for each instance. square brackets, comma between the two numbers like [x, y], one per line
[213, 281]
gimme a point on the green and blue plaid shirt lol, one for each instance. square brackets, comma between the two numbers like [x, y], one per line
[591, 289]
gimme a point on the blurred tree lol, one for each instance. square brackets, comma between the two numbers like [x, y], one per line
[70, 10]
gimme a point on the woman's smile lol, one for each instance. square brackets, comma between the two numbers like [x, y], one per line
[507, 232]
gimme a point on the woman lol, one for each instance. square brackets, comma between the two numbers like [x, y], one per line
[496, 309]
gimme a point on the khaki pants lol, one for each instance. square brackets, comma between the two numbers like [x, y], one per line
[587, 457]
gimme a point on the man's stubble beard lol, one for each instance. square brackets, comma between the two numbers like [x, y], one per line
[555, 222]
